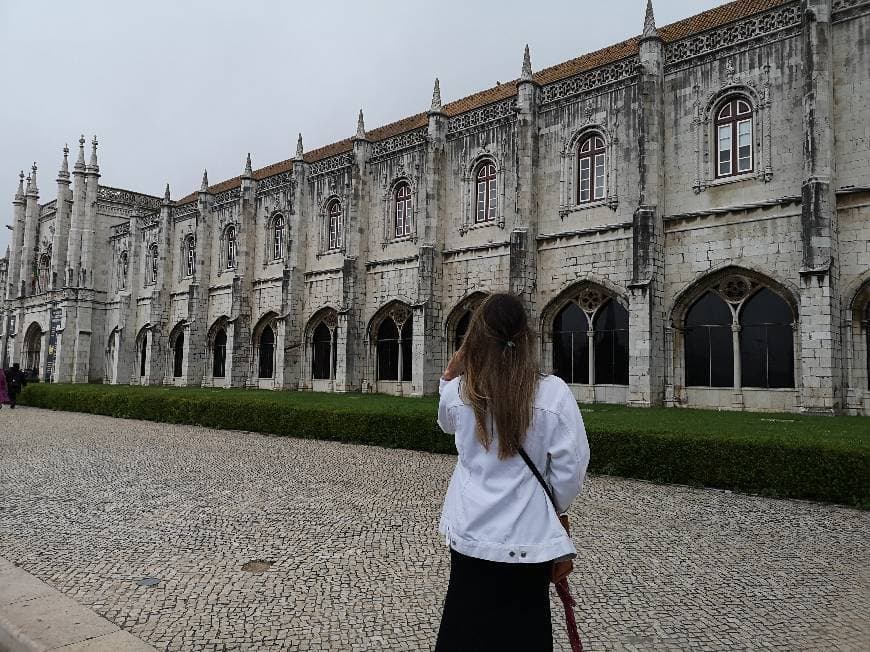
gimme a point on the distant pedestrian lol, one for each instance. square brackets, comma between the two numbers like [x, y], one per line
[503, 528]
[4, 392]
[15, 381]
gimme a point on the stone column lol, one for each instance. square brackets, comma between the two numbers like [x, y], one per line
[297, 242]
[92, 172]
[13, 285]
[62, 224]
[646, 313]
[74, 241]
[821, 381]
[31, 227]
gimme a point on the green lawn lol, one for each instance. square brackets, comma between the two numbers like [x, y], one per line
[848, 433]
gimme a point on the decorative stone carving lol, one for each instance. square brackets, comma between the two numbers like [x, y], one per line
[498, 112]
[331, 164]
[408, 140]
[136, 199]
[399, 314]
[569, 157]
[589, 80]
[274, 183]
[760, 25]
[590, 298]
[227, 196]
[735, 288]
[497, 157]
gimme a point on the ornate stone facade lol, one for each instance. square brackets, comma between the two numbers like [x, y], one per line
[598, 190]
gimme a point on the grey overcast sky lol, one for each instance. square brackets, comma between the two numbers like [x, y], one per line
[171, 87]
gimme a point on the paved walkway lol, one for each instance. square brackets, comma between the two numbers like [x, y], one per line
[92, 505]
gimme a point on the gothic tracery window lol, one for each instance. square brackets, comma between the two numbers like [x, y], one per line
[334, 225]
[737, 314]
[219, 354]
[323, 358]
[590, 340]
[278, 237]
[230, 247]
[394, 350]
[708, 343]
[487, 200]
[591, 169]
[151, 262]
[123, 268]
[734, 137]
[402, 212]
[266, 353]
[190, 255]
[43, 272]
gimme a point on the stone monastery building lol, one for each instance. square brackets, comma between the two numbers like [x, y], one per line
[686, 215]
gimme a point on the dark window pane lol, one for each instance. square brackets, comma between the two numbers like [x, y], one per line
[388, 350]
[220, 354]
[611, 344]
[721, 356]
[143, 353]
[571, 345]
[571, 318]
[267, 353]
[752, 356]
[179, 355]
[765, 307]
[562, 356]
[620, 357]
[407, 349]
[322, 354]
[611, 316]
[780, 356]
[709, 310]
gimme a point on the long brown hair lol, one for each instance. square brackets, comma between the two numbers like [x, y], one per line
[501, 371]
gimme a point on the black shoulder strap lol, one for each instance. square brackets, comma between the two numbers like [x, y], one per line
[538, 475]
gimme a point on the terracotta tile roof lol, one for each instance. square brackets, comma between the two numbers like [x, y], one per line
[709, 19]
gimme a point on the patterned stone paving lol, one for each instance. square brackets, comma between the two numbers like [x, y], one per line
[92, 504]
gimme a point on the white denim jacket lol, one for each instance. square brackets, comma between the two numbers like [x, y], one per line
[496, 509]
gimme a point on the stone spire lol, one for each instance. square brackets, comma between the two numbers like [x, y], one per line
[63, 175]
[32, 189]
[249, 172]
[92, 164]
[436, 98]
[527, 65]
[19, 194]
[360, 127]
[166, 199]
[204, 186]
[649, 22]
[80, 162]
[299, 150]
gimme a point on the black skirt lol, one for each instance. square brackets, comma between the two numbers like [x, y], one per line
[493, 605]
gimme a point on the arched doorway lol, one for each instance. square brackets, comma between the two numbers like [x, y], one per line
[323, 352]
[176, 345]
[266, 357]
[32, 350]
[219, 354]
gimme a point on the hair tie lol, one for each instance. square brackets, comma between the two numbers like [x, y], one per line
[509, 344]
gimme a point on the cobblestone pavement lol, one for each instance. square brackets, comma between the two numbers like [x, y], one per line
[92, 504]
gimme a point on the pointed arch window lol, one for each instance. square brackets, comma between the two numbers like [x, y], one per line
[278, 237]
[487, 199]
[151, 262]
[402, 201]
[591, 169]
[190, 255]
[43, 272]
[324, 349]
[266, 357]
[143, 354]
[610, 326]
[571, 345]
[334, 225]
[708, 340]
[219, 354]
[123, 268]
[230, 247]
[766, 341]
[734, 138]
[394, 350]
[178, 355]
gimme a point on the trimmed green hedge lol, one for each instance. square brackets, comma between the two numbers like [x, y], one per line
[815, 458]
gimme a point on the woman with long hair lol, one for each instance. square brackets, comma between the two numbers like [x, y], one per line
[502, 528]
